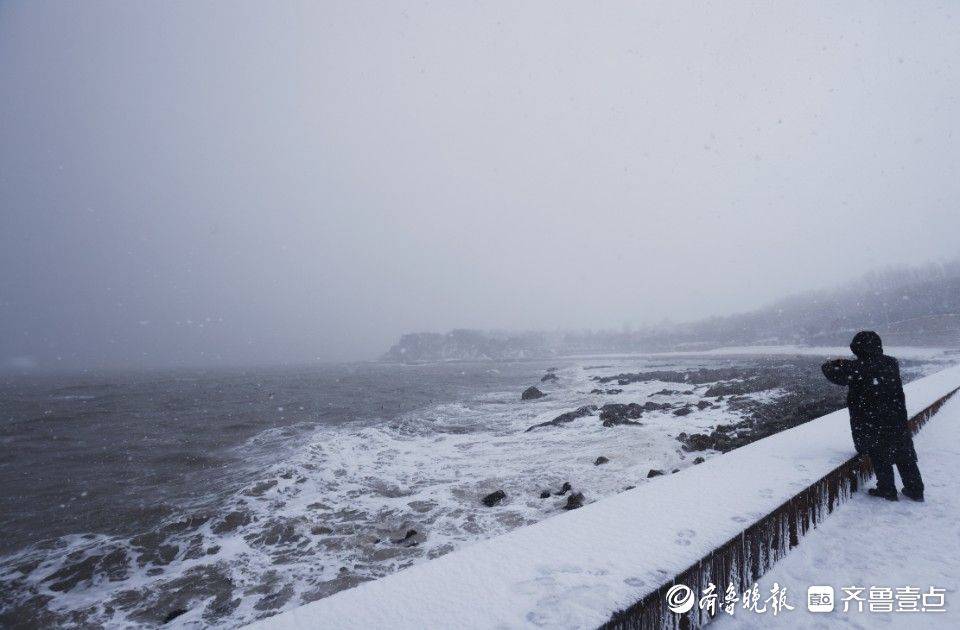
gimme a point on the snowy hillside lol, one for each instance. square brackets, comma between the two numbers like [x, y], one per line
[907, 306]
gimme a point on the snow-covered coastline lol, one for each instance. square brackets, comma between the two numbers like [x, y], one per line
[331, 505]
[576, 569]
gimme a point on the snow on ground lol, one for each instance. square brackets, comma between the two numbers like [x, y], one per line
[901, 352]
[919, 353]
[869, 542]
[575, 569]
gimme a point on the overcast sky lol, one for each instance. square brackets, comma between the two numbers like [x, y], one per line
[236, 182]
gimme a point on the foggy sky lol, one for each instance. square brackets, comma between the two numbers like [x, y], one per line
[237, 182]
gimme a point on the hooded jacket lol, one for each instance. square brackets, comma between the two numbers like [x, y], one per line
[878, 411]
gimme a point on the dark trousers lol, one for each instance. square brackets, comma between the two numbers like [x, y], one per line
[909, 474]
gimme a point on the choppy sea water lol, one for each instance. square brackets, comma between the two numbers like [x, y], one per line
[215, 498]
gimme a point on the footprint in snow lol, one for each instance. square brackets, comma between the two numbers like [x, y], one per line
[684, 536]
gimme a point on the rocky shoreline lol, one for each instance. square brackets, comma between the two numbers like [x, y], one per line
[802, 395]
[805, 395]
[359, 502]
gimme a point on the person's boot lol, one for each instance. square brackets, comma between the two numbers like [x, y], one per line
[913, 494]
[889, 495]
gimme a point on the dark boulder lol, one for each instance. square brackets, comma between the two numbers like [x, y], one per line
[703, 404]
[261, 487]
[73, 573]
[494, 497]
[808, 410]
[683, 411]
[639, 377]
[186, 524]
[549, 377]
[618, 413]
[545, 494]
[531, 393]
[745, 386]
[173, 614]
[277, 531]
[565, 488]
[654, 473]
[696, 442]
[699, 460]
[727, 437]
[574, 501]
[652, 406]
[564, 418]
[600, 460]
[232, 521]
[700, 376]
[410, 534]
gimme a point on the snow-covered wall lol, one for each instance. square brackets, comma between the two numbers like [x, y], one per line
[579, 568]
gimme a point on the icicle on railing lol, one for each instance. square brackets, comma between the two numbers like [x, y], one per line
[747, 556]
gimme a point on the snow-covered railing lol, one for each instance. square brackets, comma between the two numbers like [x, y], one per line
[746, 556]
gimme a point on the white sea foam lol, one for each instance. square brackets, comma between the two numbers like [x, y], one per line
[340, 507]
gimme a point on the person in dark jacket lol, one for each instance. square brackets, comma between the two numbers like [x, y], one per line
[878, 414]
